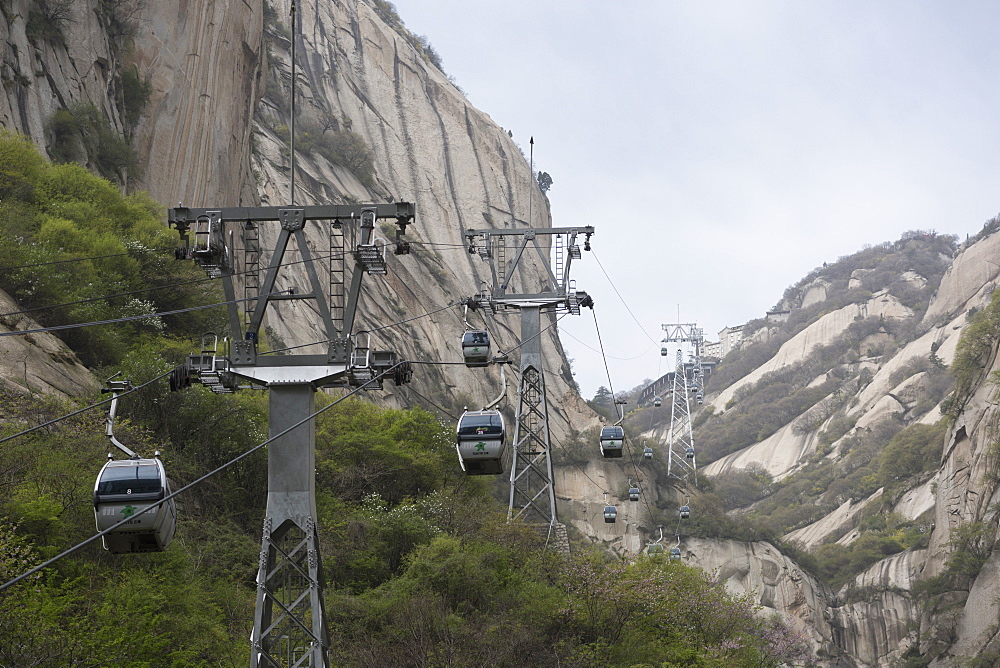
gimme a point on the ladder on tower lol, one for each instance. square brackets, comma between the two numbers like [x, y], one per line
[251, 269]
[501, 259]
[337, 286]
[560, 261]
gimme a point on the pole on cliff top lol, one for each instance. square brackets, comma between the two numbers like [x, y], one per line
[291, 93]
[531, 169]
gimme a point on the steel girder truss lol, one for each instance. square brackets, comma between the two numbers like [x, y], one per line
[290, 619]
[680, 441]
[532, 492]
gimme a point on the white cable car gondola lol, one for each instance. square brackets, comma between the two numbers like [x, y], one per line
[657, 402]
[675, 553]
[685, 512]
[476, 348]
[654, 548]
[610, 514]
[612, 440]
[481, 443]
[689, 452]
[633, 494]
[647, 452]
[124, 487]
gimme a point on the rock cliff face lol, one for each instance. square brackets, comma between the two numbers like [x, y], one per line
[38, 363]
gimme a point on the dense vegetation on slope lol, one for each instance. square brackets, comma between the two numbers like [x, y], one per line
[421, 567]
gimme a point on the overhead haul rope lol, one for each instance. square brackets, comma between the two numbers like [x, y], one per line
[82, 410]
[156, 287]
[78, 325]
[642, 495]
[368, 331]
[620, 359]
[624, 303]
[183, 489]
[83, 259]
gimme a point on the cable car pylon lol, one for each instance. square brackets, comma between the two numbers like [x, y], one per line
[681, 459]
[532, 492]
[290, 624]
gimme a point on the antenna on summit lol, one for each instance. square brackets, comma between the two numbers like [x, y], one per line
[531, 170]
[291, 93]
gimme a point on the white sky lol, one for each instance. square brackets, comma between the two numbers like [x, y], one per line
[723, 149]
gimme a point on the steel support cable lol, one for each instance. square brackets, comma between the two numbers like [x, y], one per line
[620, 359]
[151, 289]
[82, 259]
[623, 300]
[612, 390]
[57, 328]
[536, 335]
[158, 287]
[185, 488]
[363, 331]
[434, 403]
[83, 410]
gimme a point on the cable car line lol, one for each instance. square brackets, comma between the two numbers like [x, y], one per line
[626, 440]
[81, 259]
[171, 496]
[416, 317]
[151, 289]
[620, 359]
[623, 300]
[56, 328]
[82, 410]
[534, 336]
[432, 402]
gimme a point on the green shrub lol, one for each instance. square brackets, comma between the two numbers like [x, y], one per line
[84, 134]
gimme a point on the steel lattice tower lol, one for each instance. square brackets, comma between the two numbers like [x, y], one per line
[680, 441]
[532, 492]
[290, 627]
[681, 458]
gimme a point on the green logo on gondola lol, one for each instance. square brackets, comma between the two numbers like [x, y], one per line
[481, 446]
[128, 511]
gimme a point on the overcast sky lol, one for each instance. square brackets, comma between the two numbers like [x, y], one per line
[722, 150]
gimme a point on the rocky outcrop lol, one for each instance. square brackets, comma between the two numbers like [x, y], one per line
[205, 62]
[775, 582]
[967, 283]
[821, 332]
[69, 61]
[38, 363]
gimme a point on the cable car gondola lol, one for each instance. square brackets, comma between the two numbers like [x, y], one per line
[657, 402]
[685, 512]
[610, 514]
[675, 553]
[476, 348]
[654, 548]
[123, 488]
[689, 453]
[647, 452]
[633, 494]
[481, 443]
[612, 439]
